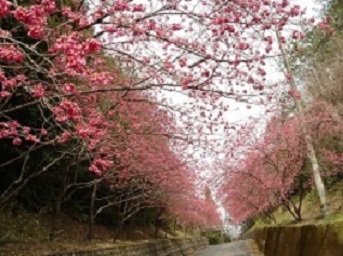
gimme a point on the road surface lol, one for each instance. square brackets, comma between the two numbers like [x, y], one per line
[238, 248]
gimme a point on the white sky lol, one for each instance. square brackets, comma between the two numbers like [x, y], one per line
[239, 111]
[312, 10]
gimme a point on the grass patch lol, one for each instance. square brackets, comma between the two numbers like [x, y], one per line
[28, 234]
[253, 248]
[310, 211]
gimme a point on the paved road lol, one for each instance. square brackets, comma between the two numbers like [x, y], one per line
[231, 249]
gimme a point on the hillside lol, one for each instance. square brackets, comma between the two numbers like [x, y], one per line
[29, 233]
[311, 213]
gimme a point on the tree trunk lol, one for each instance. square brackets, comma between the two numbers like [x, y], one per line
[117, 231]
[292, 212]
[301, 194]
[91, 213]
[156, 230]
[311, 153]
[159, 214]
[58, 205]
[174, 227]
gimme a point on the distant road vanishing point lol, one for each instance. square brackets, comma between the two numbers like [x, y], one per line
[238, 248]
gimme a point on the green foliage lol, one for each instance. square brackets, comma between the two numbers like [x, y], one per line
[322, 54]
[145, 217]
[20, 227]
[216, 237]
[335, 10]
[213, 240]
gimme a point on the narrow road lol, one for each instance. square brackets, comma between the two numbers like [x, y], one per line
[238, 248]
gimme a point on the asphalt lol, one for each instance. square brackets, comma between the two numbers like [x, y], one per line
[238, 248]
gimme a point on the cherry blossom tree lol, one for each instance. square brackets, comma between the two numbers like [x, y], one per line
[99, 81]
[49, 66]
[265, 177]
[275, 167]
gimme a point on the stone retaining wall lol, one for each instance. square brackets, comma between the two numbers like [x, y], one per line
[166, 247]
[307, 240]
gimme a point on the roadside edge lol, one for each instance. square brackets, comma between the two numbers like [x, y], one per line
[253, 248]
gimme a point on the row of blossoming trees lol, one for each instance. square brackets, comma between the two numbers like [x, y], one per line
[101, 85]
[275, 170]
[270, 166]
[75, 124]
